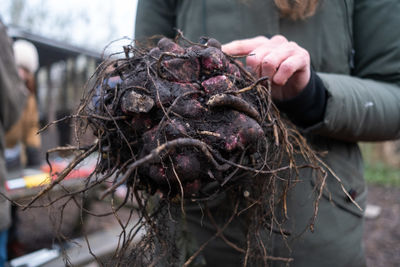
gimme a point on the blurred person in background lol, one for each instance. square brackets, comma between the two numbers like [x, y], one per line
[12, 99]
[22, 141]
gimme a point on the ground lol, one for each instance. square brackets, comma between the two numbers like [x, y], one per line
[382, 235]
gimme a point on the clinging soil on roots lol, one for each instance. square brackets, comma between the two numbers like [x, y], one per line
[182, 122]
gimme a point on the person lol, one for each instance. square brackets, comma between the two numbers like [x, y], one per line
[334, 67]
[12, 98]
[22, 141]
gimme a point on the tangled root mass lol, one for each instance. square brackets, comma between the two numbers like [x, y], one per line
[184, 121]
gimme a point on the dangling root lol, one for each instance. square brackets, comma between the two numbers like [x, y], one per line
[63, 174]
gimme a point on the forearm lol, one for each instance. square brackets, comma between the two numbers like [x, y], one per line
[359, 109]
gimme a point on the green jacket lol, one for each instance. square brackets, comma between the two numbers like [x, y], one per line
[12, 98]
[355, 50]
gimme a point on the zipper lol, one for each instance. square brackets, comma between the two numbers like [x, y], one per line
[350, 36]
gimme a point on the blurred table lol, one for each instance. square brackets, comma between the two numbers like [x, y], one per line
[26, 183]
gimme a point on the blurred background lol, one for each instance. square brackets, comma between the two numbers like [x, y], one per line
[71, 38]
[88, 24]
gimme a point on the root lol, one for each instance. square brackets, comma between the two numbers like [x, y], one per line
[155, 153]
[224, 100]
[219, 232]
[62, 175]
[252, 86]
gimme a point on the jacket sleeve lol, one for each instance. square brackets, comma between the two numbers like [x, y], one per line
[366, 106]
[155, 17]
[12, 90]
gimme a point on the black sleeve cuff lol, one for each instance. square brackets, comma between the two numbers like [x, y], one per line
[307, 108]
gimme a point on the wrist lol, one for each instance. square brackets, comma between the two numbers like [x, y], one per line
[308, 106]
[290, 89]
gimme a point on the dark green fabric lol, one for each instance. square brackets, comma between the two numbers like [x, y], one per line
[360, 109]
[12, 97]
[355, 49]
[159, 18]
[377, 46]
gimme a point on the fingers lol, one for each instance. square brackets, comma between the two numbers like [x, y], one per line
[243, 47]
[289, 67]
[279, 60]
[266, 59]
[286, 63]
[283, 62]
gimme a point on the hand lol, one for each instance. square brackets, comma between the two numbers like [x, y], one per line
[286, 63]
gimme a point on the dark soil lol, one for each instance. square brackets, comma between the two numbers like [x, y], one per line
[382, 235]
